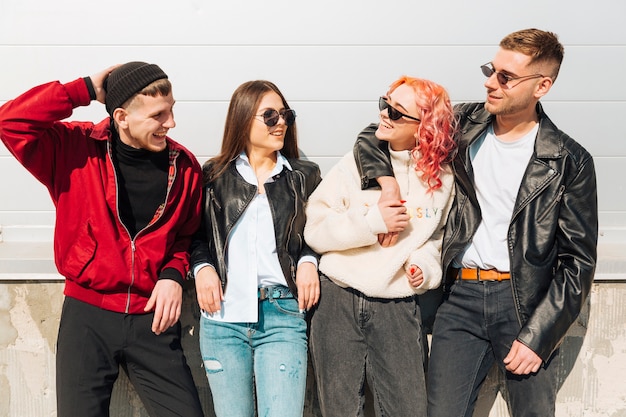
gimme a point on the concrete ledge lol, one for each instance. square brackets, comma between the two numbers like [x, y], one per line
[611, 262]
[28, 277]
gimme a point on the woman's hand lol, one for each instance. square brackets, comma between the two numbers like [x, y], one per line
[308, 284]
[209, 290]
[415, 275]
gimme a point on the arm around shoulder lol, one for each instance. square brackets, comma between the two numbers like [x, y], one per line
[372, 157]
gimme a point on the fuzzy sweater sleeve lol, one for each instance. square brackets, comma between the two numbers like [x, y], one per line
[428, 256]
[338, 217]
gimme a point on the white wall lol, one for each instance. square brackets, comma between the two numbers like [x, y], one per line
[331, 59]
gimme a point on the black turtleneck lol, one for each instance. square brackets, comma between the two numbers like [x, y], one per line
[142, 188]
[142, 183]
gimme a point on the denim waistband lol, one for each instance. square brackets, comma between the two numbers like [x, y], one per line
[274, 291]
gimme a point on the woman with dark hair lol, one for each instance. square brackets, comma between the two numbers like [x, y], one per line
[255, 275]
[368, 323]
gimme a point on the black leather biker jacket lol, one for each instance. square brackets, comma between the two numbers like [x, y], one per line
[553, 231]
[227, 197]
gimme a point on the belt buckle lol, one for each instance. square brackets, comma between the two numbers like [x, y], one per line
[270, 292]
[275, 292]
[478, 275]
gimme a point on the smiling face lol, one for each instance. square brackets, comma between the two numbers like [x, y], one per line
[263, 138]
[401, 134]
[144, 123]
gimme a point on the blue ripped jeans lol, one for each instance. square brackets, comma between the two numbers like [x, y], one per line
[270, 355]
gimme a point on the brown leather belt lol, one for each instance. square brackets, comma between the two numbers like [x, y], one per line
[477, 274]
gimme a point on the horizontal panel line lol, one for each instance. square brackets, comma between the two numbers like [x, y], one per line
[293, 45]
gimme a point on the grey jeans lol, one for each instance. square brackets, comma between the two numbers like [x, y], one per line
[354, 337]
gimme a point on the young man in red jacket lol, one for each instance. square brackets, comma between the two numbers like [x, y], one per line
[127, 202]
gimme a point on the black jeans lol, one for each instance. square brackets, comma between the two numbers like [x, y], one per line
[93, 343]
[475, 328]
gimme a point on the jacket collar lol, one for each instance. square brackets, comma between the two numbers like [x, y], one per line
[547, 146]
[102, 130]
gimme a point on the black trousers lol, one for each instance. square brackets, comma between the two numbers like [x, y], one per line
[92, 345]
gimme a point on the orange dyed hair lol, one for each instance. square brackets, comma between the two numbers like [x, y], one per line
[435, 132]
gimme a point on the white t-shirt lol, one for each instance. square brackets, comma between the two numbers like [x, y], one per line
[498, 170]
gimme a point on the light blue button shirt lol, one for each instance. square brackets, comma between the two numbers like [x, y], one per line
[252, 259]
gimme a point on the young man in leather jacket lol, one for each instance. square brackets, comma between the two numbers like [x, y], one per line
[519, 248]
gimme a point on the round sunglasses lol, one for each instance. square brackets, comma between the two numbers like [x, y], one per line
[394, 114]
[272, 116]
[503, 79]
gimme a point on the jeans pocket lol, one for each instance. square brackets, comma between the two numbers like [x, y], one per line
[453, 288]
[287, 306]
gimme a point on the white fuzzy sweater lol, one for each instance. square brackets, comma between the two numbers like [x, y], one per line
[343, 223]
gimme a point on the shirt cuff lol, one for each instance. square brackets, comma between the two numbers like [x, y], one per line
[308, 258]
[198, 267]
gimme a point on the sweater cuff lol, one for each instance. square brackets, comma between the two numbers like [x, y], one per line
[375, 221]
[173, 274]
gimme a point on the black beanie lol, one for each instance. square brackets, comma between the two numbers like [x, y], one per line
[127, 80]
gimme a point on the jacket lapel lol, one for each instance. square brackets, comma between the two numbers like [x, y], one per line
[541, 170]
[477, 122]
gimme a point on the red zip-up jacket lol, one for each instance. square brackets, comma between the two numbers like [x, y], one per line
[101, 264]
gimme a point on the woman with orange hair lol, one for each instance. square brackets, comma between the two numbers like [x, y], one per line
[368, 322]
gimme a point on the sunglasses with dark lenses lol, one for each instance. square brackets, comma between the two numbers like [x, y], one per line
[394, 114]
[504, 79]
[271, 117]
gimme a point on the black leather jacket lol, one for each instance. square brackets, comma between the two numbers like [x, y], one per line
[228, 196]
[553, 232]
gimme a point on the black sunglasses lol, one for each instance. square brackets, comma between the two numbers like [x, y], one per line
[271, 116]
[504, 79]
[394, 114]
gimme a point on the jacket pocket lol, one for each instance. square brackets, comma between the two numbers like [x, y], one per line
[80, 254]
[552, 205]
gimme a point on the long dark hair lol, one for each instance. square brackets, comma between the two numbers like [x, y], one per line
[243, 106]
